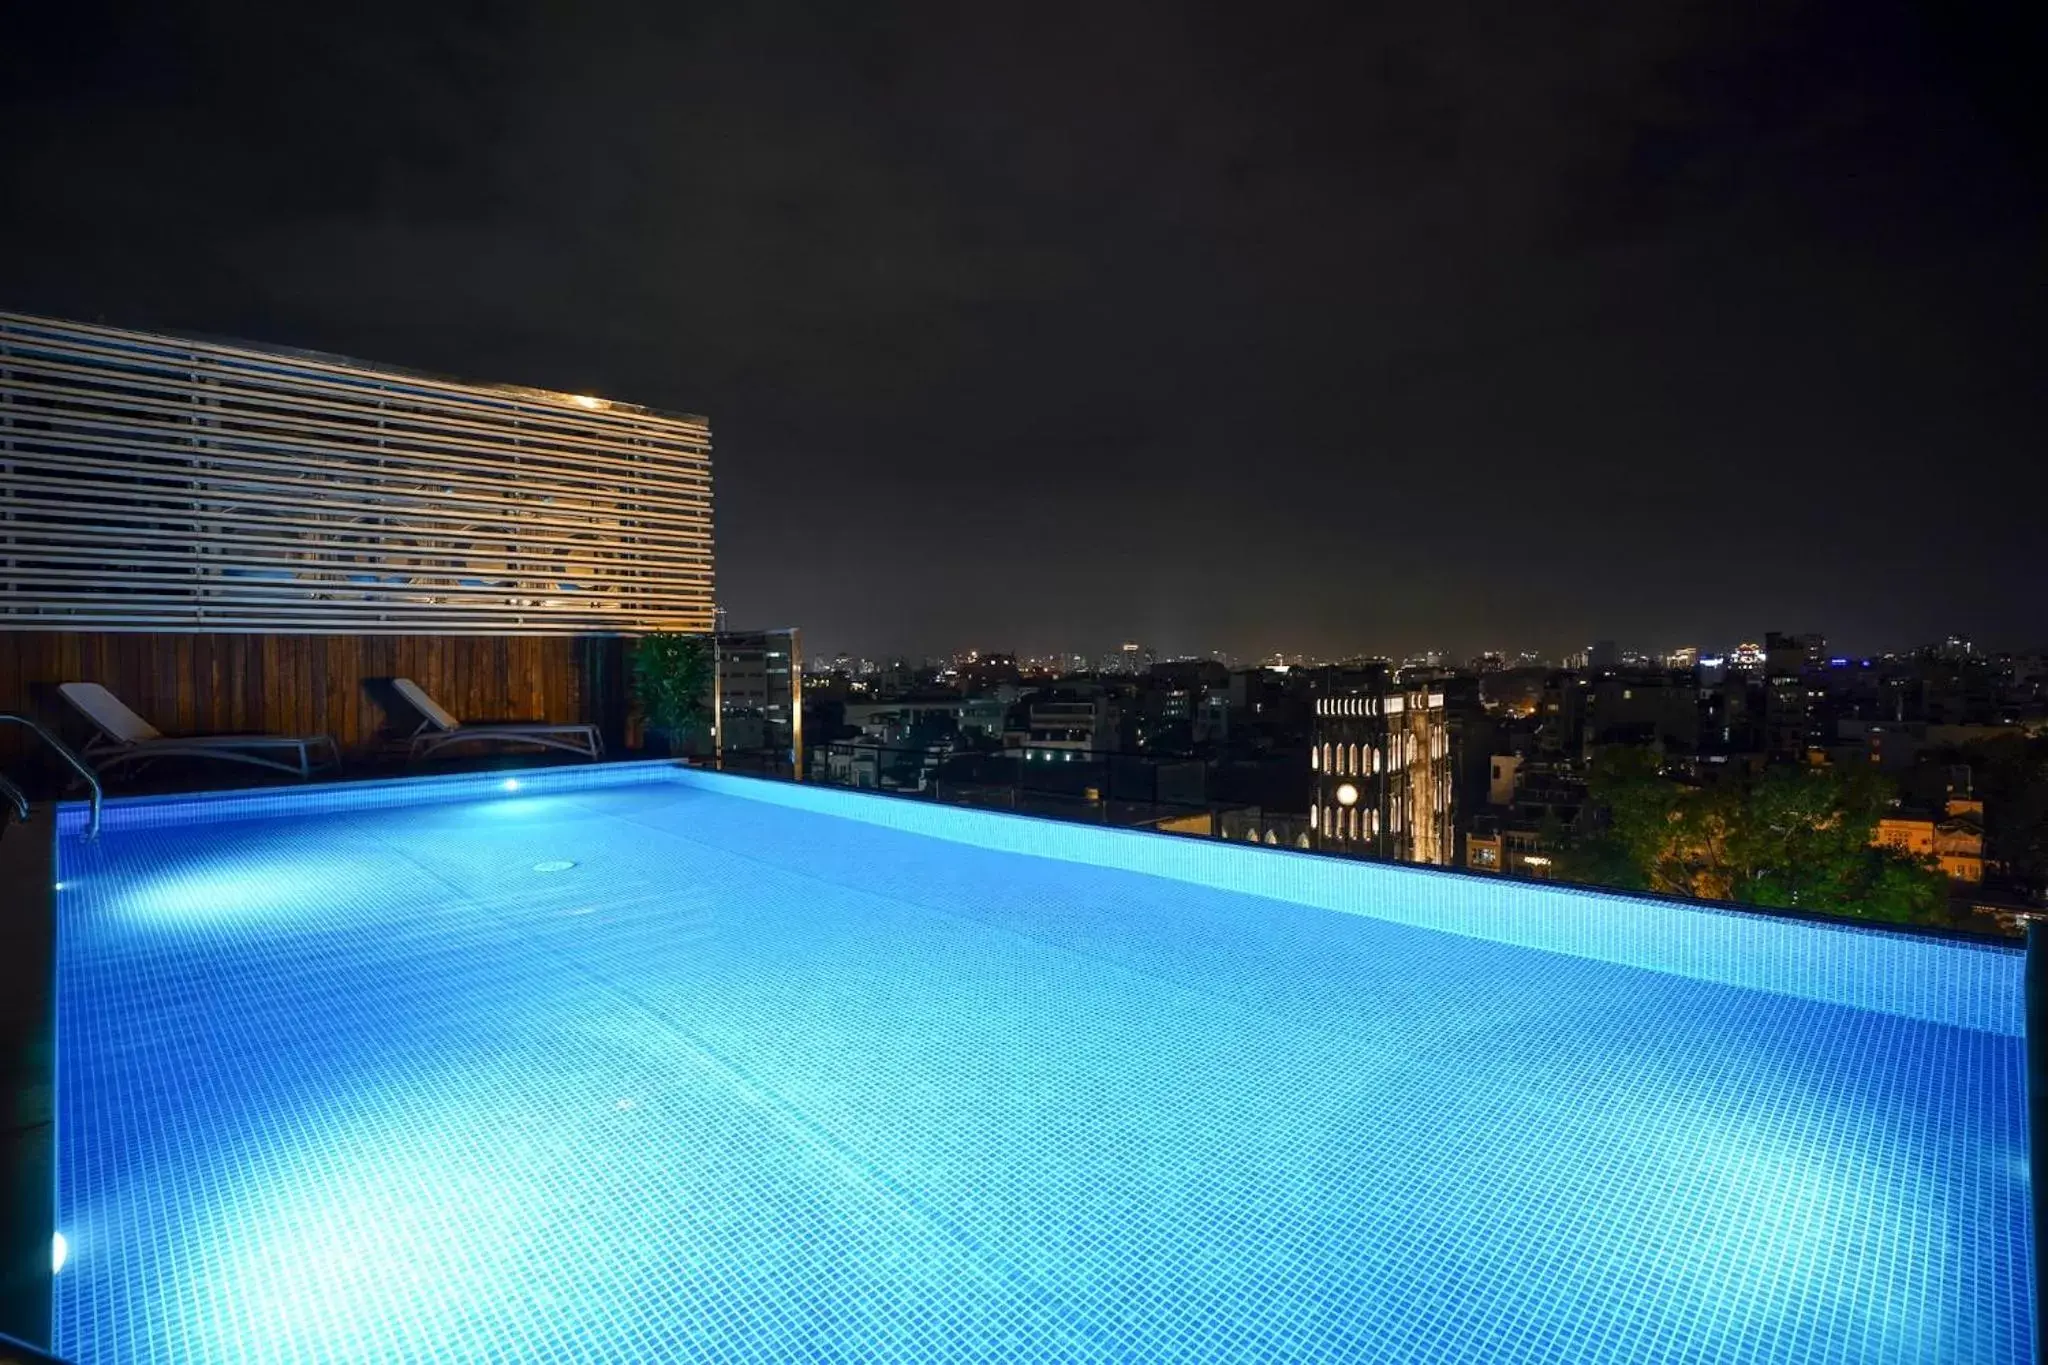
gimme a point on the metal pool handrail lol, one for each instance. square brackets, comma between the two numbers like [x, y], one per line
[84, 769]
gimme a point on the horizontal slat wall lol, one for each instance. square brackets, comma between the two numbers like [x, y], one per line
[148, 483]
[310, 684]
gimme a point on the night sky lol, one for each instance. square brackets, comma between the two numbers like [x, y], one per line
[1372, 327]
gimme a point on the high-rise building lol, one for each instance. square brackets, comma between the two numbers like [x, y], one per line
[1131, 660]
[1603, 655]
[1561, 715]
[1791, 709]
[1643, 709]
[1786, 653]
[758, 706]
[1382, 769]
[1503, 775]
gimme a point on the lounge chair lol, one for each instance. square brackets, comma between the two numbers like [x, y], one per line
[124, 737]
[439, 729]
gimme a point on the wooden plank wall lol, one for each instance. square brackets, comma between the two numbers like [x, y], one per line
[311, 684]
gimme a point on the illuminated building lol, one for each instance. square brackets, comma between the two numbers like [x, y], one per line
[1070, 730]
[1382, 770]
[1495, 845]
[1955, 839]
[1131, 660]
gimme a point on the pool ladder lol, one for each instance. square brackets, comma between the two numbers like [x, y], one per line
[14, 795]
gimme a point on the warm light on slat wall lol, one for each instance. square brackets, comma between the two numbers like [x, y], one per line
[151, 483]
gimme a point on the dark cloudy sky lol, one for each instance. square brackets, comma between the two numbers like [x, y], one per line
[1249, 326]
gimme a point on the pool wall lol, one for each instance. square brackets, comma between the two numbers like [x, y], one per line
[27, 1034]
[1938, 978]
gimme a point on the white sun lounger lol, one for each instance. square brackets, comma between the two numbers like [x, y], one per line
[439, 729]
[124, 737]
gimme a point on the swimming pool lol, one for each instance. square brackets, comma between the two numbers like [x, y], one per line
[632, 1064]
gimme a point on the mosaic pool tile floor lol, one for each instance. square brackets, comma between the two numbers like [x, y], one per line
[653, 1073]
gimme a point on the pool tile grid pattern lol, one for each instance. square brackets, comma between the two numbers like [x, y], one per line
[753, 1082]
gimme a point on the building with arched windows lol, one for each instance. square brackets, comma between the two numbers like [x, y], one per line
[1382, 769]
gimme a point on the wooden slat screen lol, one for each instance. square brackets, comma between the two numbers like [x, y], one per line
[155, 484]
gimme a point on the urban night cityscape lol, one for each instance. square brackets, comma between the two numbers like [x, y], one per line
[785, 682]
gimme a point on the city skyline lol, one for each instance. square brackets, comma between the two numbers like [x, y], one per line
[1265, 330]
[820, 653]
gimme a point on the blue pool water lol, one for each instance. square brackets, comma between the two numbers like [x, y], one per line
[634, 1066]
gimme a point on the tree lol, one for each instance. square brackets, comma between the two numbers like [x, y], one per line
[1790, 837]
[1655, 834]
[672, 676]
[1805, 841]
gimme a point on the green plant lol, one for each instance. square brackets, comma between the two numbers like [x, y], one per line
[1791, 836]
[672, 676]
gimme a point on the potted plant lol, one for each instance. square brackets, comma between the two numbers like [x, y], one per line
[672, 675]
